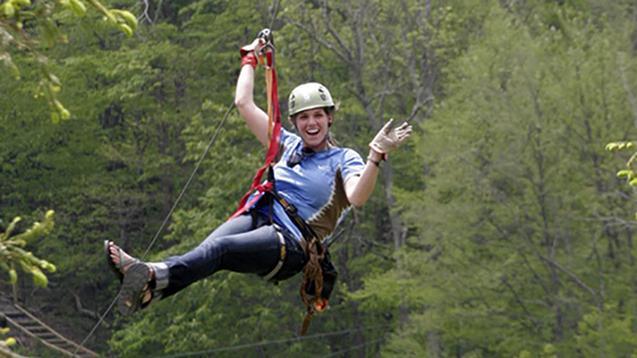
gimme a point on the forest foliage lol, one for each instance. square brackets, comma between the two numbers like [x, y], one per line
[503, 228]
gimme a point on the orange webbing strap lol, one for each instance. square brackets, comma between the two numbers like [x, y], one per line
[311, 272]
[306, 321]
[269, 73]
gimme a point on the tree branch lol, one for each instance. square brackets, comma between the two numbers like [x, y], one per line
[86, 312]
[318, 39]
[573, 277]
[341, 44]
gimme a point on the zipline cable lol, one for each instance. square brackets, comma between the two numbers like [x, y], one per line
[161, 228]
[192, 175]
[275, 11]
[358, 346]
[277, 341]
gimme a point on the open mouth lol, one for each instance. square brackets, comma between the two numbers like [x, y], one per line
[313, 131]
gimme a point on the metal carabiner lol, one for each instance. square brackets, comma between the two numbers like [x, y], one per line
[266, 34]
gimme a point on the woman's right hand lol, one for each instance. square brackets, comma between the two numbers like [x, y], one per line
[255, 47]
[250, 52]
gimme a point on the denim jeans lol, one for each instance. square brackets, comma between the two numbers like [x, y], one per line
[248, 244]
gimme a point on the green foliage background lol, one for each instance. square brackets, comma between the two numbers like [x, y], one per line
[501, 229]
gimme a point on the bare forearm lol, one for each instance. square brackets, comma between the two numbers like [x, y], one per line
[255, 118]
[245, 87]
[361, 188]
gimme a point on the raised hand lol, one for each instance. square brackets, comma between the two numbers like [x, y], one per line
[389, 138]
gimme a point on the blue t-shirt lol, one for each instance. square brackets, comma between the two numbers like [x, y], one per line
[315, 186]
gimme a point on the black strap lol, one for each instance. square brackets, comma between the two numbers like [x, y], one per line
[306, 230]
[268, 198]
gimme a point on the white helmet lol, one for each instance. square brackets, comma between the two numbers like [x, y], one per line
[308, 96]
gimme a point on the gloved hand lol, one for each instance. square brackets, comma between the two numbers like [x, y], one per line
[248, 52]
[389, 138]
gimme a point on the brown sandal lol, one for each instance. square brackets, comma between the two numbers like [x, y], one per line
[136, 292]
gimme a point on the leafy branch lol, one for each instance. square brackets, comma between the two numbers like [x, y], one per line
[42, 28]
[629, 172]
[13, 254]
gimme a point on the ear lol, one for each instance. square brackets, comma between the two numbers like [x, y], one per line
[293, 122]
[330, 119]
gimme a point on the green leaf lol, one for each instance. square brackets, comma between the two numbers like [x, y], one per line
[78, 7]
[612, 146]
[126, 17]
[625, 173]
[11, 227]
[126, 29]
[39, 278]
[8, 9]
[13, 277]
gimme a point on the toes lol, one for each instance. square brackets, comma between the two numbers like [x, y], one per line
[114, 253]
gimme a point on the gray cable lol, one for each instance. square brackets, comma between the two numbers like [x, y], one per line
[265, 343]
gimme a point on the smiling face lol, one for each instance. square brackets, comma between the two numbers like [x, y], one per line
[313, 125]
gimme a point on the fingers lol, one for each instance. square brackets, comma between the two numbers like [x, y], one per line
[403, 136]
[389, 138]
[258, 42]
[403, 126]
[255, 46]
[387, 127]
[403, 132]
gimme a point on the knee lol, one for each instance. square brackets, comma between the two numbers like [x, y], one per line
[216, 244]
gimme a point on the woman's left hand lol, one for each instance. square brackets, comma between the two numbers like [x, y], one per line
[389, 138]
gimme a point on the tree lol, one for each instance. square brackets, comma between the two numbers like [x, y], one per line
[516, 206]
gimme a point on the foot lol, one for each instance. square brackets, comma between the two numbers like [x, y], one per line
[118, 259]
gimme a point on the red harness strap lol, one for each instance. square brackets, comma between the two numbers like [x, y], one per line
[274, 132]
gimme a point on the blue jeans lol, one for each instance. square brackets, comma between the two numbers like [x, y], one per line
[248, 244]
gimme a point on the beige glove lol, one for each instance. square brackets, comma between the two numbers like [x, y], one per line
[389, 138]
[255, 47]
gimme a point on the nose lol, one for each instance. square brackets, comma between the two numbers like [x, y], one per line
[316, 118]
[311, 120]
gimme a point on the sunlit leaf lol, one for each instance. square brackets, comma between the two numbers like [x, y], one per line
[625, 173]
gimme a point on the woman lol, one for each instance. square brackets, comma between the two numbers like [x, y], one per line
[318, 178]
